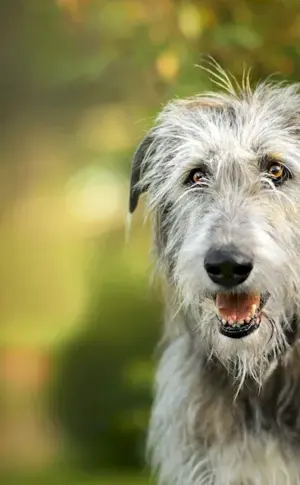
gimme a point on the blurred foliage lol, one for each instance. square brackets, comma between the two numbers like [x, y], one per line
[81, 81]
[103, 387]
[83, 52]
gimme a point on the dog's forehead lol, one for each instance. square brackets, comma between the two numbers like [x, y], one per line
[266, 121]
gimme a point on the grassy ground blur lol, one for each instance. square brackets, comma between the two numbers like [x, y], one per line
[74, 479]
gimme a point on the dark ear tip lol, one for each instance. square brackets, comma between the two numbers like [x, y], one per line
[133, 202]
[136, 191]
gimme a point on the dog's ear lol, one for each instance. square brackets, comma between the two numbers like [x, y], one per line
[135, 190]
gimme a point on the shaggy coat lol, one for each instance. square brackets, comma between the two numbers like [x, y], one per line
[226, 410]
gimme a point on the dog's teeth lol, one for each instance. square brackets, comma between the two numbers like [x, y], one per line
[248, 320]
[240, 322]
[224, 321]
[253, 310]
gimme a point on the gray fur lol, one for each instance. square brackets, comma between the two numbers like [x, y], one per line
[226, 412]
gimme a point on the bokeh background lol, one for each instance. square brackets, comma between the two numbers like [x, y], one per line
[80, 82]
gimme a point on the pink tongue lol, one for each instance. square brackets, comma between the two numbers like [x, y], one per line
[236, 307]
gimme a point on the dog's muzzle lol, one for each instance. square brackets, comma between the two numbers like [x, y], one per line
[239, 314]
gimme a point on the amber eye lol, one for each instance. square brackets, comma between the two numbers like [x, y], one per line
[196, 177]
[278, 172]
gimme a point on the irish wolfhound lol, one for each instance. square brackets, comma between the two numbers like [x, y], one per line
[222, 177]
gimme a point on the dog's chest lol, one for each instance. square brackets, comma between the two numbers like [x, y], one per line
[255, 449]
[275, 410]
[254, 461]
[256, 439]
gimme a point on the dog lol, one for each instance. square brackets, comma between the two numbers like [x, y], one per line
[221, 176]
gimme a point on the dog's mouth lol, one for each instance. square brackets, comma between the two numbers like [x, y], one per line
[239, 314]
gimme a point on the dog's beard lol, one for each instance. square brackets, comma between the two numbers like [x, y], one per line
[250, 357]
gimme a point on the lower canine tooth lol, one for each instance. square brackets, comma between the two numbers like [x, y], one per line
[224, 321]
[253, 310]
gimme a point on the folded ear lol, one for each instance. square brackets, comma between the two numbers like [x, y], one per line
[139, 156]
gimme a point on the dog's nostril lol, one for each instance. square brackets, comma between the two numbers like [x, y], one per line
[227, 267]
[242, 269]
[213, 269]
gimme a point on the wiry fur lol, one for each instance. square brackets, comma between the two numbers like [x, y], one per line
[226, 411]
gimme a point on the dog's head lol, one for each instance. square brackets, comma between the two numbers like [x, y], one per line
[222, 176]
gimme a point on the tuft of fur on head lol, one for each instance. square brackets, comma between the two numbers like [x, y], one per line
[230, 134]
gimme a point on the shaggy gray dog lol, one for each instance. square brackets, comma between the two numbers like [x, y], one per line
[222, 177]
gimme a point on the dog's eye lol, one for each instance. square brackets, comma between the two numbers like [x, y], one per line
[196, 177]
[277, 171]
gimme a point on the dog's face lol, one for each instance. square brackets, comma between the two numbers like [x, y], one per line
[222, 176]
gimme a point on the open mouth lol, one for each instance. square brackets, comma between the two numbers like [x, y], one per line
[239, 314]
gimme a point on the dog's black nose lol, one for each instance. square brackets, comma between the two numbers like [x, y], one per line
[227, 266]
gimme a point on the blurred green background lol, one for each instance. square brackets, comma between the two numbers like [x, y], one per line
[81, 81]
